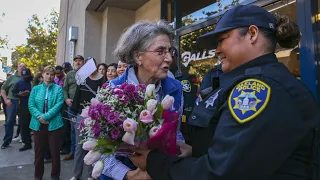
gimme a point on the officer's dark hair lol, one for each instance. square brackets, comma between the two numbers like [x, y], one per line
[287, 33]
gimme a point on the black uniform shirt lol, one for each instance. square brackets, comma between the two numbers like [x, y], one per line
[265, 125]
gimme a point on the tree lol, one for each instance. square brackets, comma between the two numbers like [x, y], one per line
[3, 40]
[41, 43]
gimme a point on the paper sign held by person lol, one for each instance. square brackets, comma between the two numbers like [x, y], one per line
[88, 68]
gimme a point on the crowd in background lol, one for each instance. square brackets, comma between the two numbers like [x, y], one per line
[54, 102]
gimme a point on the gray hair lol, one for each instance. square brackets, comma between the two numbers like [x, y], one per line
[138, 37]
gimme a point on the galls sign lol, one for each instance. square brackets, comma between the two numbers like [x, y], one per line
[187, 57]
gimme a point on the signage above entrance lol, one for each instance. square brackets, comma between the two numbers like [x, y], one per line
[187, 56]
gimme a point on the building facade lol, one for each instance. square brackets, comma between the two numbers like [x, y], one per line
[101, 22]
[98, 25]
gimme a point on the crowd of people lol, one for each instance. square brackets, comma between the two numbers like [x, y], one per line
[55, 101]
[252, 119]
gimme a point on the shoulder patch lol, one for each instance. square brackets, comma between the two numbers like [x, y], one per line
[248, 99]
[186, 86]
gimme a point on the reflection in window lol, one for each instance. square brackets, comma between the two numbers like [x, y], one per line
[196, 61]
[193, 12]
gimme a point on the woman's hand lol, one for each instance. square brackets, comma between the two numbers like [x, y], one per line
[40, 118]
[186, 150]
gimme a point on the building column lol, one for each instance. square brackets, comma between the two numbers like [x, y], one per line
[308, 19]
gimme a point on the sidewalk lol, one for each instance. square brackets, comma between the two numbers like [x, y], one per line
[19, 165]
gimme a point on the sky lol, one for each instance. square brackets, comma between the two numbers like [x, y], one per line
[15, 21]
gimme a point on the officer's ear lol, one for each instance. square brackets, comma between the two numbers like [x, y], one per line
[253, 33]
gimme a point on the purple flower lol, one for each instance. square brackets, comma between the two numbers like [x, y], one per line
[94, 112]
[125, 99]
[105, 85]
[141, 87]
[129, 88]
[113, 118]
[96, 128]
[81, 124]
[115, 133]
[122, 86]
[105, 110]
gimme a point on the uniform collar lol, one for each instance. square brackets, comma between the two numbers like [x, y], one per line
[227, 78]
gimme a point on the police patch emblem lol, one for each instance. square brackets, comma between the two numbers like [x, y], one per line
[248, 99]
[186, 86]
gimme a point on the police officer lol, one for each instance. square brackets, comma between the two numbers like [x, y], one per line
[189, 96]
[263, 118]
[211, 78]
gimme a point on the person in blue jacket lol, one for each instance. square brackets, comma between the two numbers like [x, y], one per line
[148, 48]
[263, 121]
[22, 91]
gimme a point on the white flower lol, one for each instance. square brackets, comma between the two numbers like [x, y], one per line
[97, 169]
[92, 157]
[150, 90]
[152, 104]
[167, 102]
[129, 138]
[89, 145]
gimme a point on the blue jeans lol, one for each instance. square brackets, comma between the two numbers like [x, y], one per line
[72, 114]
[11, 112]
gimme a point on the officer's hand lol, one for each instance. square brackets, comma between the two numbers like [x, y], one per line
[137, 174]
[140, 158]
[186, 150]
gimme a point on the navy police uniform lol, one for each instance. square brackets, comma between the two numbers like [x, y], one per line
[259, 125]
[261, 121]
[189, 97]
[211, 79]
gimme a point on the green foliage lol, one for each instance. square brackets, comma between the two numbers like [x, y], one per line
[41, 43]
[188, 41]
[3, 40]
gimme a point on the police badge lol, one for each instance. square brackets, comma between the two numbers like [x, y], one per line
[248, 99]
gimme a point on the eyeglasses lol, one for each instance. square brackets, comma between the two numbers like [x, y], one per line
[163, 52]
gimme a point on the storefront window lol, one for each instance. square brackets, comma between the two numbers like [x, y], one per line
[197, 61]
[192, 12]
[194, 60]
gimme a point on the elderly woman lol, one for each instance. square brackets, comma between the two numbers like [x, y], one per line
[45, 103]
[148, 48]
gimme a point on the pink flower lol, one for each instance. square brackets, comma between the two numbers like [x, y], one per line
[92, 157]
[167, 102]
[129, 138]
[146, 116]
[130, 125]
[89, 145]
[97, 169]
[95, 101]
[84, 112]
[153, 131]
[87, 121]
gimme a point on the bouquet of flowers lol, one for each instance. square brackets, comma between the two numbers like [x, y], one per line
[124, 117]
